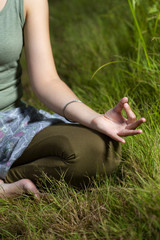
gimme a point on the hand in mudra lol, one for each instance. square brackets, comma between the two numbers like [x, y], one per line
[114, 125]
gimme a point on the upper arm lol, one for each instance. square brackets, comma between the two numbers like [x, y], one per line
[38, 49]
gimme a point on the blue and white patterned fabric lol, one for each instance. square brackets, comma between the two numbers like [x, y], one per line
[17, 128]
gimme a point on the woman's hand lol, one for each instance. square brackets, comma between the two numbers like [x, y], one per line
[114, 125]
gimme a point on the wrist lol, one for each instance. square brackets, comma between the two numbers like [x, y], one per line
[77, 111]
[64, 109]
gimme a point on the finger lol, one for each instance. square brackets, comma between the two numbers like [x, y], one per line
[116, 137]
[119, 106]
[119, 139]
[126, 133]
[130, 113]
[136, 123]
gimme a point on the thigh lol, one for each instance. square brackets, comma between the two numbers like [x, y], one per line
[80, 150]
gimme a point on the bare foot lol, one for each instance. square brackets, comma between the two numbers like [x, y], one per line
[18, 188]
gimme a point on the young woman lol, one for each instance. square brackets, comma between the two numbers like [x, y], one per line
[32, 141]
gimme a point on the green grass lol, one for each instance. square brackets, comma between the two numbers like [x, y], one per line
[103, 50]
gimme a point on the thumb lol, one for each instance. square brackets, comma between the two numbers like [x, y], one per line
[119, 106]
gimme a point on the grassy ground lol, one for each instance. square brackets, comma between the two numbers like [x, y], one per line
[124, 37]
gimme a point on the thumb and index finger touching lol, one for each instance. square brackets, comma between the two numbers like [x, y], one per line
[123, 103]
[120, 105]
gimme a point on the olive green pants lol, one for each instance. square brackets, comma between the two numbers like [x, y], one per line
[73, 150]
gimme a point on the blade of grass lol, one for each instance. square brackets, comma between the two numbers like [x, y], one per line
[106, 64]
[139, 32]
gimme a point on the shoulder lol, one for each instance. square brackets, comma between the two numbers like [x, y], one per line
[34, 7]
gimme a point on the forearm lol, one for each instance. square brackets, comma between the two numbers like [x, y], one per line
[56, 94]
[53, 92]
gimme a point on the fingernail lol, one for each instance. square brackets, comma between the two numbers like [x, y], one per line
[126, 99]
[125, 104]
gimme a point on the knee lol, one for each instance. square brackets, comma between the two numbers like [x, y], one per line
[94, 153]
